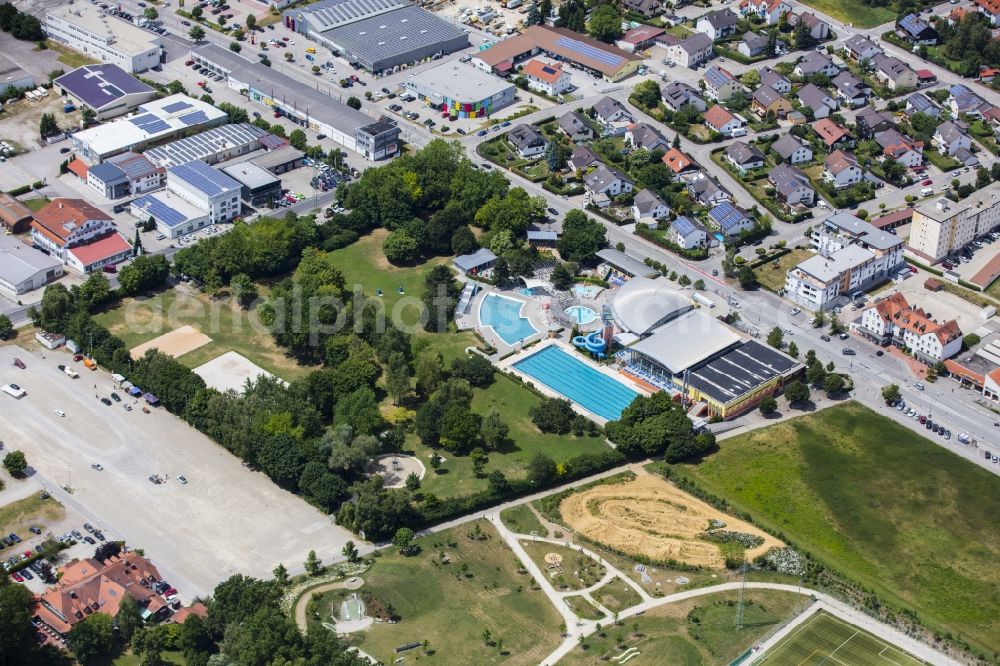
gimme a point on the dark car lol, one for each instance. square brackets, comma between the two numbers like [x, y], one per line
[106, 401]
[553, 211]
[386, 91]
[320, 137]
[99, 535]
[27, 574]
[34, 529]
[879, 352]
[15, 538]
[89, 539]
[19, 363]
[64, 150]
[116, 397]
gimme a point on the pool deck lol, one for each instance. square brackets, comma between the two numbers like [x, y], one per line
[531, 309]
[507, 365]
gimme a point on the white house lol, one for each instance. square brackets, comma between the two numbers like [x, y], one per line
[546, 78]
[818, 100]
[718, 24]
[607, 181]
[950, 137]
[65, 223]
[743, 156]
[792, 150]
[720, 84]
[691, 52]
[648, 205]
[612, 113]
[769, 10]
[791, 186]
[527, 140]
[892, 320]
[840, 169]
[724, 122]
[901, 148]
[206, 188]
[687, 233]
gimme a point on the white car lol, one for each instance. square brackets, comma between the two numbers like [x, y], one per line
[794, 311]
[60, 412]
[182, 479]
[14, 390]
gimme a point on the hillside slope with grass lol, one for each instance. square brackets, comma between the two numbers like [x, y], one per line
[878, 503]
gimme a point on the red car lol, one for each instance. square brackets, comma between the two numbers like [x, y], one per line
[19, 363]
[169, 591]
[926, 182]
[16, 576]
[284, 39]
[77, 358]
[109, 269]
[189, 63]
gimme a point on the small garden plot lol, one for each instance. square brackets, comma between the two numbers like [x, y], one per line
[566, 568]
[772, 275]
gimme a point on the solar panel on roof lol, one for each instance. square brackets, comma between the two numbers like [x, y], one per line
[590, 51]
[194, 118]
[176, 106]
[548, 70]
[139, 121]
[159, 210]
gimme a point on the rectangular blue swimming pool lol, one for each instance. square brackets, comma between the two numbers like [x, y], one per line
[576, 380]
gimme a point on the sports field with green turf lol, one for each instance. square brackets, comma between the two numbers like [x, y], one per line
[825, 639]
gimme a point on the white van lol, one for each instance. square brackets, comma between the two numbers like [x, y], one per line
[919, 386]
[14, 390]
[926, 191]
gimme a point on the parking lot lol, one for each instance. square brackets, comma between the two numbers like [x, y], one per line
[227, 519]
[975, 256]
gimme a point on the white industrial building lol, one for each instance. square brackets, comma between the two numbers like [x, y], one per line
[23, 268]
[460, 89]
[14, 76]
[218, 144]
[197, 195]
[86, 28]
[151, 123]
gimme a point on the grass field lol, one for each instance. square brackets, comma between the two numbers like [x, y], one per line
[129, 659]
[878, 503]
[690, 633]
[825, 639]
[19, 515]
[451, 604]
[68, 56]
[577, 572]
[36, 204]
[616, 595]
[583, 608]
[854, 12]
[522, 519]
[772, 275]
[513, 401]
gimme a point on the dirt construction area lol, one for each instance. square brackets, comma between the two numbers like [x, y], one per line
[176, 343]
[226, 519]
[652, 518]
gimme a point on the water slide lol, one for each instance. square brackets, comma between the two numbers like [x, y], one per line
[593, 343]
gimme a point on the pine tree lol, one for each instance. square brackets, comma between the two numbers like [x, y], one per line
[137, 246]
[533, 17]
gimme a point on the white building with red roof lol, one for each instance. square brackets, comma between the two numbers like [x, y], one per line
[547, 78]
[892, 320]
[79, 234]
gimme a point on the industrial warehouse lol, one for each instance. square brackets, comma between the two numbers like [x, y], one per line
[301, 104]
[461, 89]
[377, 35]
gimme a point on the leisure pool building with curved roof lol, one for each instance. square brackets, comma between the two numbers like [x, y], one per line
[642, 304]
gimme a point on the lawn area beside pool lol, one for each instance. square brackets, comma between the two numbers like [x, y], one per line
[854, 12]
[878, 503]
[450, 604]
[514, 402]
[772, 275]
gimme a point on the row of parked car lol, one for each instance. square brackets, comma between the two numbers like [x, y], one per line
[925, 420]
[965, 254]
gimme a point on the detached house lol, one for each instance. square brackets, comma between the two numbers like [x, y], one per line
[894, 73]
[851, 91]
[646, 8]
[546, 78]
[611, 113]
[648, 205]
[833, 135]
[769, 10]
[768, 100]
[677, 94]
[730, 219]
[527, 140]
[791, 186]
[752, 45]
[965, 102]
[583, 158]
[815, 62]
[792, 150]
[607, 181]
[773, 79]
[678, 162]
[990, 9]
[859, 48]
[691, 52]
[720, 84]
[915, 30]
[818, 28]
[743, 156]
[950, 137]
[717, 24]
[818, 100]
[687, 233]
[575, 127]
[868, 122]
[707, 192]
[645, 136]
[901, 148]
[920, 103]
[840, 169]
[724, 122]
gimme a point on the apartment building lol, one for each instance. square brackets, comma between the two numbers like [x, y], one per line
[942, 226]
[892, 320]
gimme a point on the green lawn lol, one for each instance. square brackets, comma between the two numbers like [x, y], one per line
[576, 570]
[823, 634]
[522, 519]
[617, 595]
[854, 12]
[36, 204]
[689, 633]
[21, 514]
[129, 659]
[451, 604]
[513, 401]
[772, 275]
[583, 608]
[68, 56]
[879, 504]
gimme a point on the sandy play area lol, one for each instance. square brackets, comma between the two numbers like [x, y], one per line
[648, 516]
[395, 467]
[175, 343]
[230, 371]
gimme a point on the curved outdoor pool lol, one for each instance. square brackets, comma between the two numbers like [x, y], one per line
[504, 316]
[581, 314]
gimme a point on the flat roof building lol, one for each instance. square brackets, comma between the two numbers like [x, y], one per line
[281, 160]
[87, 29]
[623, 263]
[14, 76]
[461, 89]
[608, 62]
[106, 89]
[24, 268]
[174, 217]
[378, 35]
[211, 146]
[258, 186]
[683, 342]
[302, 104]
[206, 188]
[152, 123]
[941, 226]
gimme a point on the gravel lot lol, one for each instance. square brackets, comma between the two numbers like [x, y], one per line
[226, 520]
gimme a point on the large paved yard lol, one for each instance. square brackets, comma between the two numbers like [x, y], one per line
[226, 520]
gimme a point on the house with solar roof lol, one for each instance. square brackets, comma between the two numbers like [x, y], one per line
[687, 233]
[106, 89]
[730, 219]
[218, 144]
[197, 195]
[151, 123]
[547, 78]
[915, 30]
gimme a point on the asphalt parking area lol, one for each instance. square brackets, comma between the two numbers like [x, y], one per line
[227, 519]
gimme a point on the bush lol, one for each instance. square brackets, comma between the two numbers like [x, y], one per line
[553, 415]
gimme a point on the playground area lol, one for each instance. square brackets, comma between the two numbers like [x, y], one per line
[176, 343]
[651, 518]
[825, 639]
[395, 467]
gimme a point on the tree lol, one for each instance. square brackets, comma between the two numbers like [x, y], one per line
[768, 406]
[582, 237]
[47, 126]
[479, 460]
[819, 319]
[605, 24]
[776, 338]
[412, 482]
[891, 394]
[793, 350]
[796, 392]
[699, 285]
[397, 378]
[251, 22]
[151, 13]
[836, 326]
[149, 644]
[553, 415]
[534, 17]
[243, 289]
[541, 469]
[495, 431]
[834, 383]
[815, 374]
[647, 94]
[747, 278]
[7, 327]
[573, 15]
[403, 539]
[353, 102]
[314, 565]
[196, 13]
[298, 139]
[463, 241]
[129, 619]
[803, 36]
[280, 574]
[684, 280]
[435, 461]
[350, 551]
[400, 247]
[15, 463]
[93, 638]
[196, 33]
[561, 277]
[751, 79]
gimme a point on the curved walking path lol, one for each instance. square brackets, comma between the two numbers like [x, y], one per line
[303, 601]
[577, 628]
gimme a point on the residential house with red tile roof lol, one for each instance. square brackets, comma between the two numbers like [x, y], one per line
[65, 227]
[678, 162]
[990, 9]
[833, 135]
[892, 320]
[547, 78]
[724, 121]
